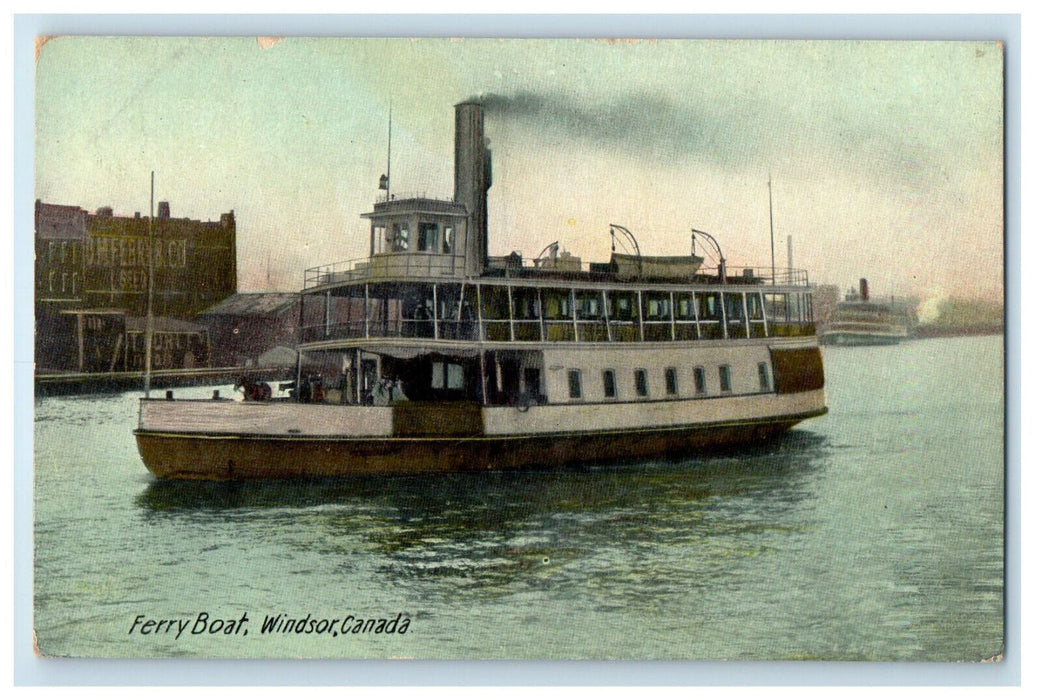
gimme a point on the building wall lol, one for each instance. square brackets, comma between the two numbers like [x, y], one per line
[239, 340]
[241, 332]
[170, 350]
[194, 263]
[100, 261]
[82, 342]
[60, 233]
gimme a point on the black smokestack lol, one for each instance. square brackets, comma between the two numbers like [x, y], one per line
[864, 289]
[473, 178]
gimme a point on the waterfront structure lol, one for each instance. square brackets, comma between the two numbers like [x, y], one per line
[102, 341]
[432, 356]
[245, 327]
[176, 344]
[92, 271]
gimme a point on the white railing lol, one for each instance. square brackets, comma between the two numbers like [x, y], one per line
[413, 265]
[384, 266]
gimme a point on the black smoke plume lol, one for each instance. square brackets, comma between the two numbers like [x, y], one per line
[641, 122]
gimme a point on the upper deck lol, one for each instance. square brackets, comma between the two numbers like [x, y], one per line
[529, 306]
[435, 266]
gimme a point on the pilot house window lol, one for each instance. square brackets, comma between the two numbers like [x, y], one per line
[609, 384]
[427, 241]
[400, 237]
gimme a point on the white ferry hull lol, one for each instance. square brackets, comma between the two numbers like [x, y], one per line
[196, 446]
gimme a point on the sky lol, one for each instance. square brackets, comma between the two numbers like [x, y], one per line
[885, 158]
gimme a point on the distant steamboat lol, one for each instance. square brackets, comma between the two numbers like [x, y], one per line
[858, 321]
[431, 356]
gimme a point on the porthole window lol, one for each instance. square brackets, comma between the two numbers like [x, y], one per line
[725, 379]
[575, 384]
[765, 378]
[609, 384]
[640, 380]
[671, 381]
[700, 381]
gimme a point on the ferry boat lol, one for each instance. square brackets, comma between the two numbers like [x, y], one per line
[431, 356]
[859, 321]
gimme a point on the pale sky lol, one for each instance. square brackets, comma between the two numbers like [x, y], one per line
[885, 157]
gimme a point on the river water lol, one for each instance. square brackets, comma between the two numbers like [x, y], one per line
[873, 533]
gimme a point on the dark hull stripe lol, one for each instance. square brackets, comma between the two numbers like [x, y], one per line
[203, 435]
[235, 457]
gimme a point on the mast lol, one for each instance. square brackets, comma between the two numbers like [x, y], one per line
[148, 314]
[770, 206]
[789, 276]
[389, 154]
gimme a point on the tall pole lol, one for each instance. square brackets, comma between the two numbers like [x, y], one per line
[148, 314]
[770, 205]
[389, 154]
[789, 276]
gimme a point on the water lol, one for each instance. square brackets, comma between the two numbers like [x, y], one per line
[874, 533]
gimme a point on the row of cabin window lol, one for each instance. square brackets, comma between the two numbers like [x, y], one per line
[622, 305]
[640, 381]
[527, 306]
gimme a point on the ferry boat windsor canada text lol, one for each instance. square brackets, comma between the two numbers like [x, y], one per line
[432, 356]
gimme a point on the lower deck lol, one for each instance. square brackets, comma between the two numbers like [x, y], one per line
[401, 411]
[542, 437]
[456, 420]
[387, 372]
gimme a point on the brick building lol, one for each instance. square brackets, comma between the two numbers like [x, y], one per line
[91, 281]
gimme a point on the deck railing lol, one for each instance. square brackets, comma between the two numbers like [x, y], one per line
[344, 271]
[553, 331]
[419, 264]
[384, 266]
